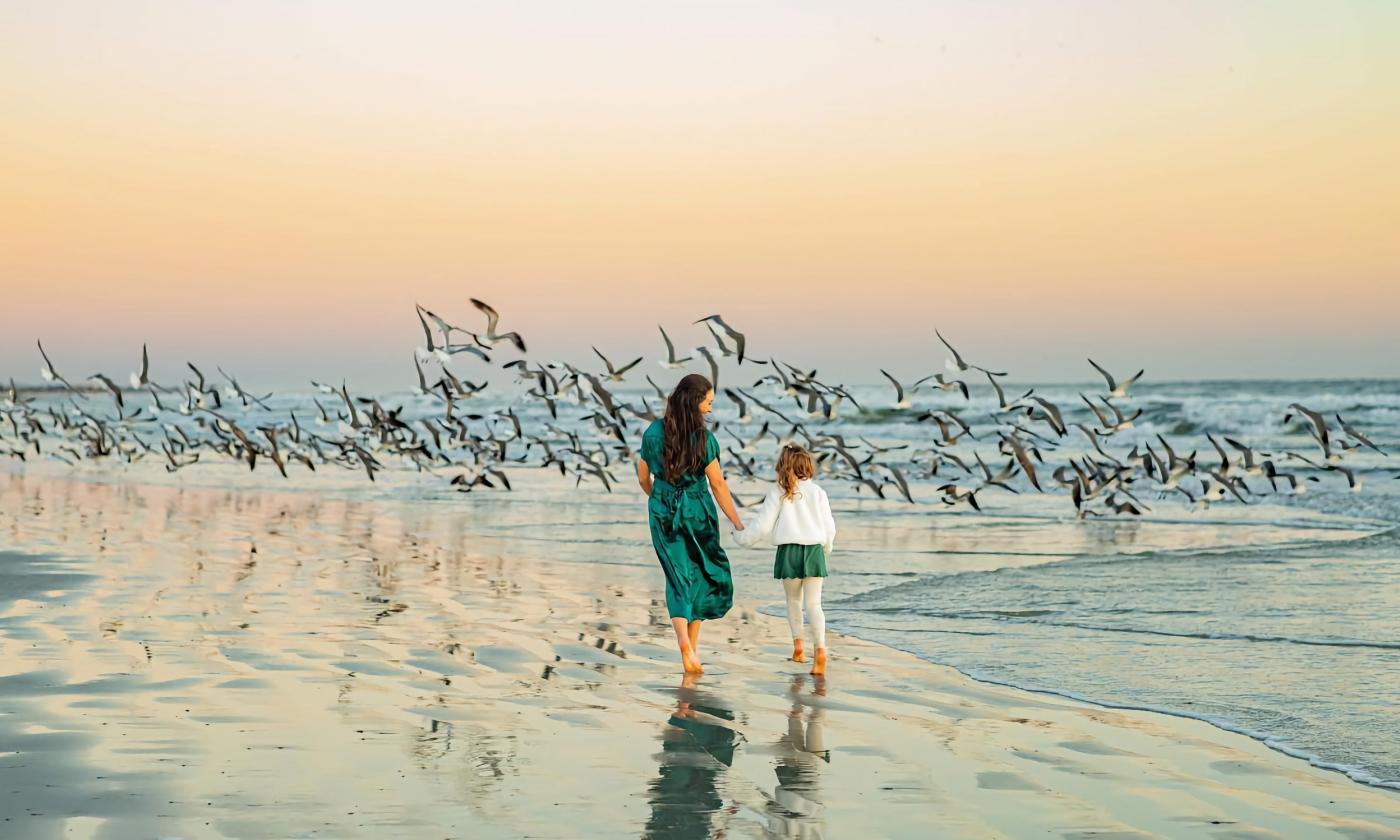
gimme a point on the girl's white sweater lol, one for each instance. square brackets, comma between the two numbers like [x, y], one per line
[804, 519]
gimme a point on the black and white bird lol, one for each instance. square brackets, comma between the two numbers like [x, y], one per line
[1360, 438]
[671, 362]
[491, 337]
[49, 373]
[141, 378]
[901, 393]
[957, 362]
[447, 349]
[616, 373]
[744, 415]
[116, 392]
[714, 364]
[945, 384]
[1318, 428]
[734, 335]
[1120, 422]
[1116, 389]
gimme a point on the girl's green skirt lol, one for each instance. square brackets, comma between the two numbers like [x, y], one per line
[799, 561]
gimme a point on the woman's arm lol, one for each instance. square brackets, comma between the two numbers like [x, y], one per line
[720, 488]
[644, 476]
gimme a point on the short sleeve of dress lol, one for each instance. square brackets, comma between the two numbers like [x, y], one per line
[651, 449]
[711, 447]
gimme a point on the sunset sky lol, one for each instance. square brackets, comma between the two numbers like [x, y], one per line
[1206, 189]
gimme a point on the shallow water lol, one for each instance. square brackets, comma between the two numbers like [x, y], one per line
[1234, 615]
[1280, 619]
[1299, 647]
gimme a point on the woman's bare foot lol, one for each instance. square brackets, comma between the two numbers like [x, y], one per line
[797, 654]
[819, 663]
[687, 638]
[693, 633]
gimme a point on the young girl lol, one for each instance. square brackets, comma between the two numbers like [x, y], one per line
[796, 516]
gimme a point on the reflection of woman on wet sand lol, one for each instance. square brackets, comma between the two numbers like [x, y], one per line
[796, 809]
[695, 750]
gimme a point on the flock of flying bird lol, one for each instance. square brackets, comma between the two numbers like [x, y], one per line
[591, 428]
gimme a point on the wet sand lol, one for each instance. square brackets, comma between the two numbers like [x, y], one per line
[183, 661]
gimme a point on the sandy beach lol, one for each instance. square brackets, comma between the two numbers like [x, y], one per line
[195, 661]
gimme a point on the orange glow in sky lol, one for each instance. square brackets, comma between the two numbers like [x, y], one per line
[1207, 189]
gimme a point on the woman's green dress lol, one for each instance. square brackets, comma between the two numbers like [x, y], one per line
[685, 534]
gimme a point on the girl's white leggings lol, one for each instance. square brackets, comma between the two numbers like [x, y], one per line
[806, 591]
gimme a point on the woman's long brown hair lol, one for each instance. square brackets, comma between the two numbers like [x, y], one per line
[683, 446]
[794, 464]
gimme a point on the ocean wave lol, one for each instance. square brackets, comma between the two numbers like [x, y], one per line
[1028, 616]
[1386, 538]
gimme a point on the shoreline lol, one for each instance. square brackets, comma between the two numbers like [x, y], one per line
[1351, 773]
[1363, 530]
[544, 636]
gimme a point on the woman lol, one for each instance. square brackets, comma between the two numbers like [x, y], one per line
[678, 470]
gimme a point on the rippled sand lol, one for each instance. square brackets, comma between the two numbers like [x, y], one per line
[198, 662]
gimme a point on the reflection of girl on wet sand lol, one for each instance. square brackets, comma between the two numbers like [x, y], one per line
[796, 809]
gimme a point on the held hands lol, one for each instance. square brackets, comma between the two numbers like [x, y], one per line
[737, 533]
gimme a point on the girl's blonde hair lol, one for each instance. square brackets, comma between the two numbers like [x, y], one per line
[794, 464]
